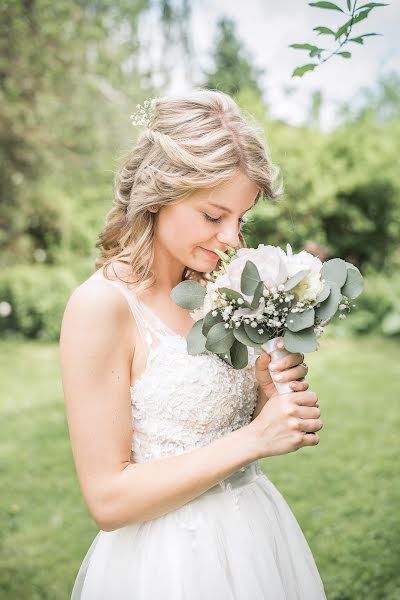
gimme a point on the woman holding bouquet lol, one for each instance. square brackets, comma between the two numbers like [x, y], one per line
[165, 443]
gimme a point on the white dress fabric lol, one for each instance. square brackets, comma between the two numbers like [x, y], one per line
[237, 541]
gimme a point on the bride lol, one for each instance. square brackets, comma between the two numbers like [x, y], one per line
[166, 444]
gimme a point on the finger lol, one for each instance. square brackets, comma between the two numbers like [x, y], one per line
[311, 425]
[304, 398]
[299, 386]
[310, 439]
[291, 374]
[286, 362]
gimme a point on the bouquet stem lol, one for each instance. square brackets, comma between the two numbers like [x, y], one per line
[276, 354]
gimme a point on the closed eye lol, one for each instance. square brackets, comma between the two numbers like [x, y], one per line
[218, 219]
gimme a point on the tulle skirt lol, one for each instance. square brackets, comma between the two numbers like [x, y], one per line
[237, 541]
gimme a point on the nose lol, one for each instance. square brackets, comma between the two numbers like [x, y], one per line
[229, 236]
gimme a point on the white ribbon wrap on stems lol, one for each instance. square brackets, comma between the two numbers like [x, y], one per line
[276, 354]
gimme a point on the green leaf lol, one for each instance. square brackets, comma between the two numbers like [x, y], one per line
[334, 270]
[325, 293]
[348, 4]
[255, 303]
[357, 40]
[371, 5]
[354, 284]
[344, 54]
[195, 340]
[226, 357]
[328, 308]
[302, 341]
[349, 24]
[329, 5]
[293, 281]
[360, 37]
[324, 30]
[241, 335]
[299, 72]
[189, 294]
[219, 338]
[250, 279]
[316, 52]
[239, 355]
[253, 334]
[209, 321]
[297, 321]
[304, 46]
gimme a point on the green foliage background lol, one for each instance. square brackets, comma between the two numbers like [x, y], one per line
[69, 80]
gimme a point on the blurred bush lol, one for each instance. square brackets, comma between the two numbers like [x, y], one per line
[377, 309]
[33, 299]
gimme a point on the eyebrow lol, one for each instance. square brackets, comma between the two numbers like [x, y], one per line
[227, 209]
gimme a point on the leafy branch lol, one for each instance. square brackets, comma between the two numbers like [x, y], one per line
[354, 15]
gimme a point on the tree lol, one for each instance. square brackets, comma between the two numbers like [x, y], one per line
[233, 70]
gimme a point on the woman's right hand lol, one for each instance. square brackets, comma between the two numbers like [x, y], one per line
[280, 426]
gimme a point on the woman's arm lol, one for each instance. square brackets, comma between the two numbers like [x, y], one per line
[96, 346]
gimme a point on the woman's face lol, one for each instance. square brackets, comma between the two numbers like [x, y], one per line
[190, 230]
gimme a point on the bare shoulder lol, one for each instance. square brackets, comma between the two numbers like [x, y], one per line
[95, 355]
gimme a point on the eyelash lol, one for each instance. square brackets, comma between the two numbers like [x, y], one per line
[218, 220]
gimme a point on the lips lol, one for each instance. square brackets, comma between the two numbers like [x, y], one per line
[210, 253]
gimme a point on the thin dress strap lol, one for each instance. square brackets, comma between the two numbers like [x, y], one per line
[146, 331]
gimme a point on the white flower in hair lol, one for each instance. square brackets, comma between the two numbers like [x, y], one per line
[144, 113]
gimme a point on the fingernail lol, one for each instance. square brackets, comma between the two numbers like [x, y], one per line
[280, 344]
[278, 377]
[273, 366]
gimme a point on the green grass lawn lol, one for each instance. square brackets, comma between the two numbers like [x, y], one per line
[344, 492]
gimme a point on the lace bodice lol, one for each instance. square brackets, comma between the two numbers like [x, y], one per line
[181, 402]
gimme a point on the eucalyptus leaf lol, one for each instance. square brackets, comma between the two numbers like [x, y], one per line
[189, 294]
[293, 281]
[234, 295]
[226, 357]
[301, 341]
[298, 321]
[196, 340]
[334, 270]
[250, 278]
[239, 355]
[219, 338]
[328, 308]
[253, 334]
[326, 290]
[255, 303]
[241, 335]
[209, 321]
[354, 284]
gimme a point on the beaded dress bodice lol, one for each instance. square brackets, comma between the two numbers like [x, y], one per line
[180, 401]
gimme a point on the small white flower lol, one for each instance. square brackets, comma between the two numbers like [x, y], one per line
[214, 313]
[253, 324]
[226, 325]
[240, 301]
[260, 331]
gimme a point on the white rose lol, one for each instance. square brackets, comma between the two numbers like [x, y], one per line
[269, 260]
[311, 286]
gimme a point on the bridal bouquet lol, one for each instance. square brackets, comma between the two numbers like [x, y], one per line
[261, 294]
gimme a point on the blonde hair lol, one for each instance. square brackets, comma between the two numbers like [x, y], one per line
[194, 141]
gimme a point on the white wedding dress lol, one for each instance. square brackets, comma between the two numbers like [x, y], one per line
[237, 541]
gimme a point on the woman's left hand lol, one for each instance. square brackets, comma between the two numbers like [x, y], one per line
[290, 368]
